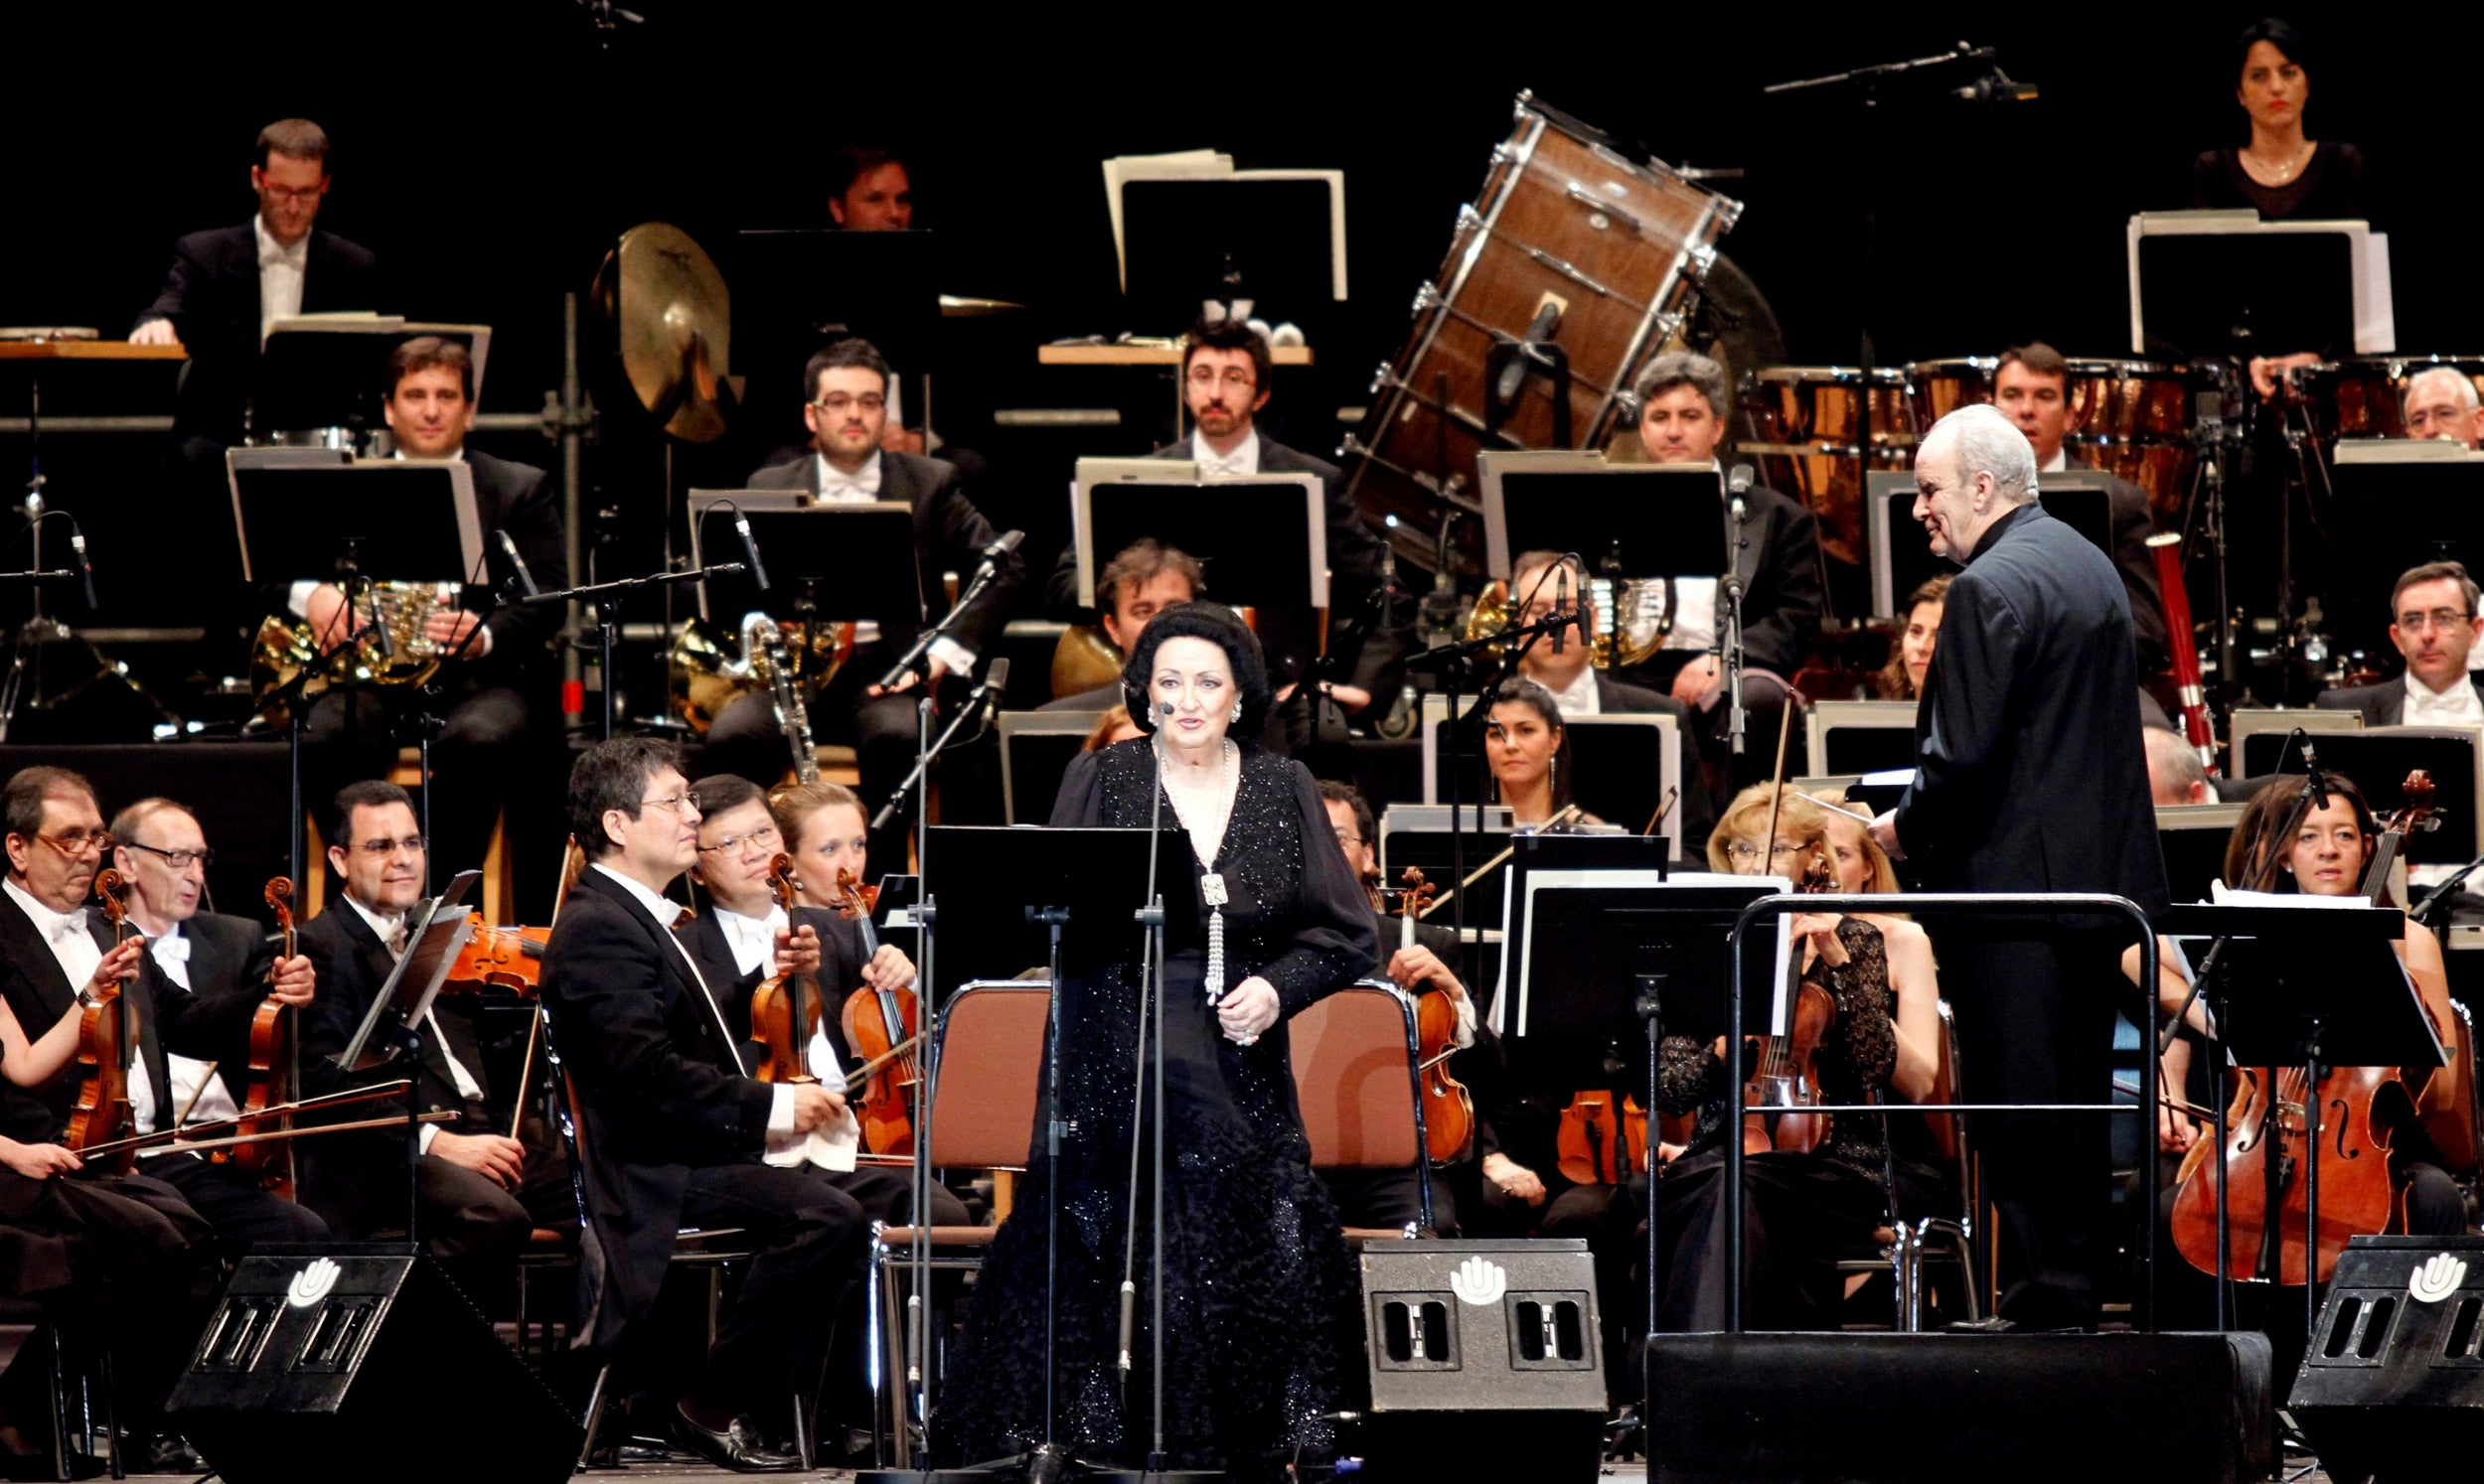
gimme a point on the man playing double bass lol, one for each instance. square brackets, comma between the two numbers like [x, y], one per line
[2030, 777]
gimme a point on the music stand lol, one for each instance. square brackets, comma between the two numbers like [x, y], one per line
[1425, 836]
[825, 559]
[1263, 538]
[1861, 737]
[1900, 554]
[2401, 503]
[2225, 283]
[386, 1029]
[2193, 837]
[1276, 239]
[1036, 751]
[307, 520]
[326, 371]
[1654, 520]
[2306, 986]
[1630, 764]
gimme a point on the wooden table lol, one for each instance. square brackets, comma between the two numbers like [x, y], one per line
[88, 350]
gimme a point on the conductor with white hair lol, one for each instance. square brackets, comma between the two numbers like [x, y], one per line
[2440, 402]
[2030, 777]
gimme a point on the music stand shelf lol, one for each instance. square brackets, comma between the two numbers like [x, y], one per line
[1150, 355]
[88, 350]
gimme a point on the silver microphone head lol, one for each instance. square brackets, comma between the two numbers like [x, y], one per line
[1739, 481]
[1164, 708]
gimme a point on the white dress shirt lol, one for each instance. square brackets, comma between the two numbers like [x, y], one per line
[187, 1075]
[390, 928]
[1243, 462]
[1578, 698]
[753, 940]
[667, 912]
[280, 273]
[74, 947]
[2457, 707]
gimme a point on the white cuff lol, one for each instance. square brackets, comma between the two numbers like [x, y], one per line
[1465, 1024]
[423, 1138]
[781, 1111]
[298, 599]
[959, 658]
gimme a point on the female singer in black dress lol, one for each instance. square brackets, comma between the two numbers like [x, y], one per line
[1260, 1314]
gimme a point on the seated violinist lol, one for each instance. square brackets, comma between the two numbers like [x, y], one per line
[468, 1170]
[1802, 1202]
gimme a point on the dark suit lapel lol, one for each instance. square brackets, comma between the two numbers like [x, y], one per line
[676, 967]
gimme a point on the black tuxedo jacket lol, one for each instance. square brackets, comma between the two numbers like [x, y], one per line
[518, 499]
[211, 294]
[949, 535]
[2030, 775]
[659, 1085]
[841, 973]
[2134, 523]
[2382, 705]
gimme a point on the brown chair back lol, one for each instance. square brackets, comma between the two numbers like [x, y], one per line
[1354, 1058]
[983, 1112]
[2450, 1115]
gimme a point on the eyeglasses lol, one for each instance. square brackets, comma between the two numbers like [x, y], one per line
[78, 842]
[1746, 853]
[765, 840]
[294, 193]
[1349, 840]
[683, 804]
[837, 402]
[2440, 618]
[179, 860]
[411, 844]
[1234, 378]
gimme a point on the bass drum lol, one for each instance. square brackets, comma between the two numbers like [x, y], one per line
[1818, 429]
[2132, 419]
[2364, 396]
[1568, 225]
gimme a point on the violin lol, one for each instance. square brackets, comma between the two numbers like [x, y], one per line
[2268, 1126]
[880, 1026]
[1447, 1107]
[782, 1015]
[102, 1113]
[1783, 1073]
[495, 958]
[266, 1081]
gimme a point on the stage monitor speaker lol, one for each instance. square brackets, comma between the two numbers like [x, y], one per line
[1486, 1361]
[342, 1363]
[2392, 1382]
[1905, 1408]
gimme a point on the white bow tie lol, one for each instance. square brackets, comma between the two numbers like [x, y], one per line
[865, 484]
[68, 926]
[174, 948]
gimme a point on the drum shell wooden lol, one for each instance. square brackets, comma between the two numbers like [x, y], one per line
[1819, 429]
[2364, 396]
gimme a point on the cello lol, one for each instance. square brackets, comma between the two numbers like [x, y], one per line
[2268, 1125]
[102, 1115]
[879, 1027]
[271, 1075]
[782, 1016]
[1447, 1107]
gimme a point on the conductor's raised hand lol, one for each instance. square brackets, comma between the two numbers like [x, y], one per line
[1247, 1009]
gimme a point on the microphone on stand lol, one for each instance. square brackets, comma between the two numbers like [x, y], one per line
[750, 549]
[993, 554]
[988, 694]
[85, 569]
[1561, 606]
[1738, 485]
[517, 560]
[2314, 780]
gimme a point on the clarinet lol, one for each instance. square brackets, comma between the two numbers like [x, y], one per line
[791, 715]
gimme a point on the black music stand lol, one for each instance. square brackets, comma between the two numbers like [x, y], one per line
[1652, 520]
[2306, 986]
[2243, 292]
[1036, 748]
[2396, 513]
[326, 372]
[1463, 838]
[1186, 241]
[825, 559]
[1078, 899]
[1264, 538]
[386, 1029]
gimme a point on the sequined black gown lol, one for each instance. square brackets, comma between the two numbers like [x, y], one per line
[1259, 1307]
[1799, 1209]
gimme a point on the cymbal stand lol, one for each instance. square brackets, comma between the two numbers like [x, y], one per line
[38, 629]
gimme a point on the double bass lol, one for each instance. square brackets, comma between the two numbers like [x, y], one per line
[1447, 1107]
[102, 1113]
[879, 1027]
[2268, 1126]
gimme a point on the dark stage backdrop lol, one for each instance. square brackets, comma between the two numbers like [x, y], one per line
[491, 151]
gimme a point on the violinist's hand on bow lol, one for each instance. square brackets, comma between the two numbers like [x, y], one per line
[496, 1158]
[1822, 929]
[295, 982]
[37, 1161]
[1247, 1009]
[798, 952]
[889, 970]
[814, 1106]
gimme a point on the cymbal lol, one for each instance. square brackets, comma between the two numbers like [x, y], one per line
[952, 307]
[672, 321]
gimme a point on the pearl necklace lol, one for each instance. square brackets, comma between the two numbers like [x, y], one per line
[1207, 844]
[2287, 171]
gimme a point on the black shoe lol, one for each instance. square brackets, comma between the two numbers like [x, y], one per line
[737, 1447]
[1989, 1324]
[166, 1454]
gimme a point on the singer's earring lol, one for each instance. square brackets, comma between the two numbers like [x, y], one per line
[1236, 718]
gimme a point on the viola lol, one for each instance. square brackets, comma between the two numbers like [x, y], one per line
[880, 1026]
[102, 1115]
[1596, 1145]
[269, 1077]
[782, 1015]
[1784, 1075]
[1447, 1107]
[495, 958]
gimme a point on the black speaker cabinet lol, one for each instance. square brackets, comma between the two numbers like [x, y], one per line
[2393, 1381]
[1485, 1361]
[335, 1363]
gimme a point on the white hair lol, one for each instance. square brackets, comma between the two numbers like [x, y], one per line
[2453, 375]
[1983, 440]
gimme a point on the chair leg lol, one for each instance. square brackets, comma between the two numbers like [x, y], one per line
[111, 1414]
[893, 1351]
[60, 1404]
[594, 1415]
[1910, 1282]
[803, 1447]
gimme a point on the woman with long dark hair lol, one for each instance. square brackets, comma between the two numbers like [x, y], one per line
[2281, 173]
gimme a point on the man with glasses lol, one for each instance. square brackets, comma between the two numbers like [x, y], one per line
[2441, 402]
[466, 1172]
[2432, 622]
[204, 976]
[847, 413]
[228, 284]
[673, 1128]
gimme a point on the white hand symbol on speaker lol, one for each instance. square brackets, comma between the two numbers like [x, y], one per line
[2441, 1275]
[1479, 1283]
[312, 1283]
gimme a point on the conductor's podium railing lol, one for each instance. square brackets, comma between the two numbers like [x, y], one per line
[1938, 906]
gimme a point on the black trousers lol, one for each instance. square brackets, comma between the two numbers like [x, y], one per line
[2034, 1022]
[809, 1239]
[1389, 1199]
[881, 729]
[1799, 1211]
[243, 1214]
[347, 736]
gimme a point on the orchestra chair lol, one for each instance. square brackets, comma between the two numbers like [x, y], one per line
[1900, 1247]
[714, 1249]
[73, 1397]
[985, 1075]
[1357, 1073]
[2457, 1124]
